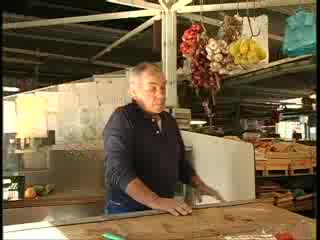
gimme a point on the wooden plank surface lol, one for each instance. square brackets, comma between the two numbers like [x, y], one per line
[58, 198]
[203, 224]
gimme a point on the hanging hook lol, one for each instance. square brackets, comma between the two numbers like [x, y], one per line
[249, 21]
[221, 8]
[238, 15]
[201, 16]
[238, 8]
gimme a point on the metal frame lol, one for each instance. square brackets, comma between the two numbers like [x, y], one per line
[61, 40]
[80, 19]
[60, 56]
[19, 60]
[244, 5]
[138, 4]
[168, 11]
[135, 31]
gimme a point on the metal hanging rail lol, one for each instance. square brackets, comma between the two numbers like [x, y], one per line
[244, 5]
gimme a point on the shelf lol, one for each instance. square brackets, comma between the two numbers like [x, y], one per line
[40, 149]
[26, 151]
[42, 170]
[277, 176]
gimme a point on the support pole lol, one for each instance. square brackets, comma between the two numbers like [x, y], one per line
[169, 55]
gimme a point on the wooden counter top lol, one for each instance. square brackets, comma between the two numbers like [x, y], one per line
[205, 223]
[58, 198]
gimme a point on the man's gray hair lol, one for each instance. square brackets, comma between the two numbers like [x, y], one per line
[135, 72]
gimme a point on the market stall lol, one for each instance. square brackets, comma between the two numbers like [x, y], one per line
[55, 138]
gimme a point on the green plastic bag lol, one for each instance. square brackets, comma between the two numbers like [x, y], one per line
[300, 34]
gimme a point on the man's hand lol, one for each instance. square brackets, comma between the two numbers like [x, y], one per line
[200, 189]
[172, 206]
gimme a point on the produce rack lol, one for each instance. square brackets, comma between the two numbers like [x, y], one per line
[273, 69]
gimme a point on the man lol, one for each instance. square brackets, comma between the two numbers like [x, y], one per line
[145, 152]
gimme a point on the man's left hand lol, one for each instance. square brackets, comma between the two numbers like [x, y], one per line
[201, 189]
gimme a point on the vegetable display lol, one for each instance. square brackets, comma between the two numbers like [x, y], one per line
[246, 51]
[212, 58]
[194, 41]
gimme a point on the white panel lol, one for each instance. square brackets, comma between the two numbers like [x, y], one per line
[87, 93]
[52, 121]
[225, 165]
[9, 117]
[112, 91]
[68, 115]
[52, 98]
[31, 116]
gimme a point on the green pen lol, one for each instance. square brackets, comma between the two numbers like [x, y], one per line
[109, 236]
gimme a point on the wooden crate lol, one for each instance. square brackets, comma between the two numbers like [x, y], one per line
[259, 155]
[277, 167]
[301, 166]
[277, 155]
[260, 167]
[300, 155]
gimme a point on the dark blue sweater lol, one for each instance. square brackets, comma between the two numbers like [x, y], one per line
[135, 147]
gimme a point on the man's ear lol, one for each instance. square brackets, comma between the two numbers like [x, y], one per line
[132, 92]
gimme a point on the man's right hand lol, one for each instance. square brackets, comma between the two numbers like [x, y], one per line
[172, 206]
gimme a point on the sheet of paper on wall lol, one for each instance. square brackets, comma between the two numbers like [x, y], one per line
[68, 117]
[9, 117]
[31, 116]
[88, 123]
[87, 93]
[67, 102]
[68, 128]
[52, 120]
[52, 98]
[111, 91]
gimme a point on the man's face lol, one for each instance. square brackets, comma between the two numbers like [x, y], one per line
[150, 91]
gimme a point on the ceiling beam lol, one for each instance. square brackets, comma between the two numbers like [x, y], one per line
[60, 56]
[37, 37]
[56, 6]
[251, 100]
[280, 92]
[135, 31]
[138, 4]
[21, 18]
[19, 60]
[218, 23]
[197, 18]
[244, 5]
[79, 19]
[180, 4]
[31, 73]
